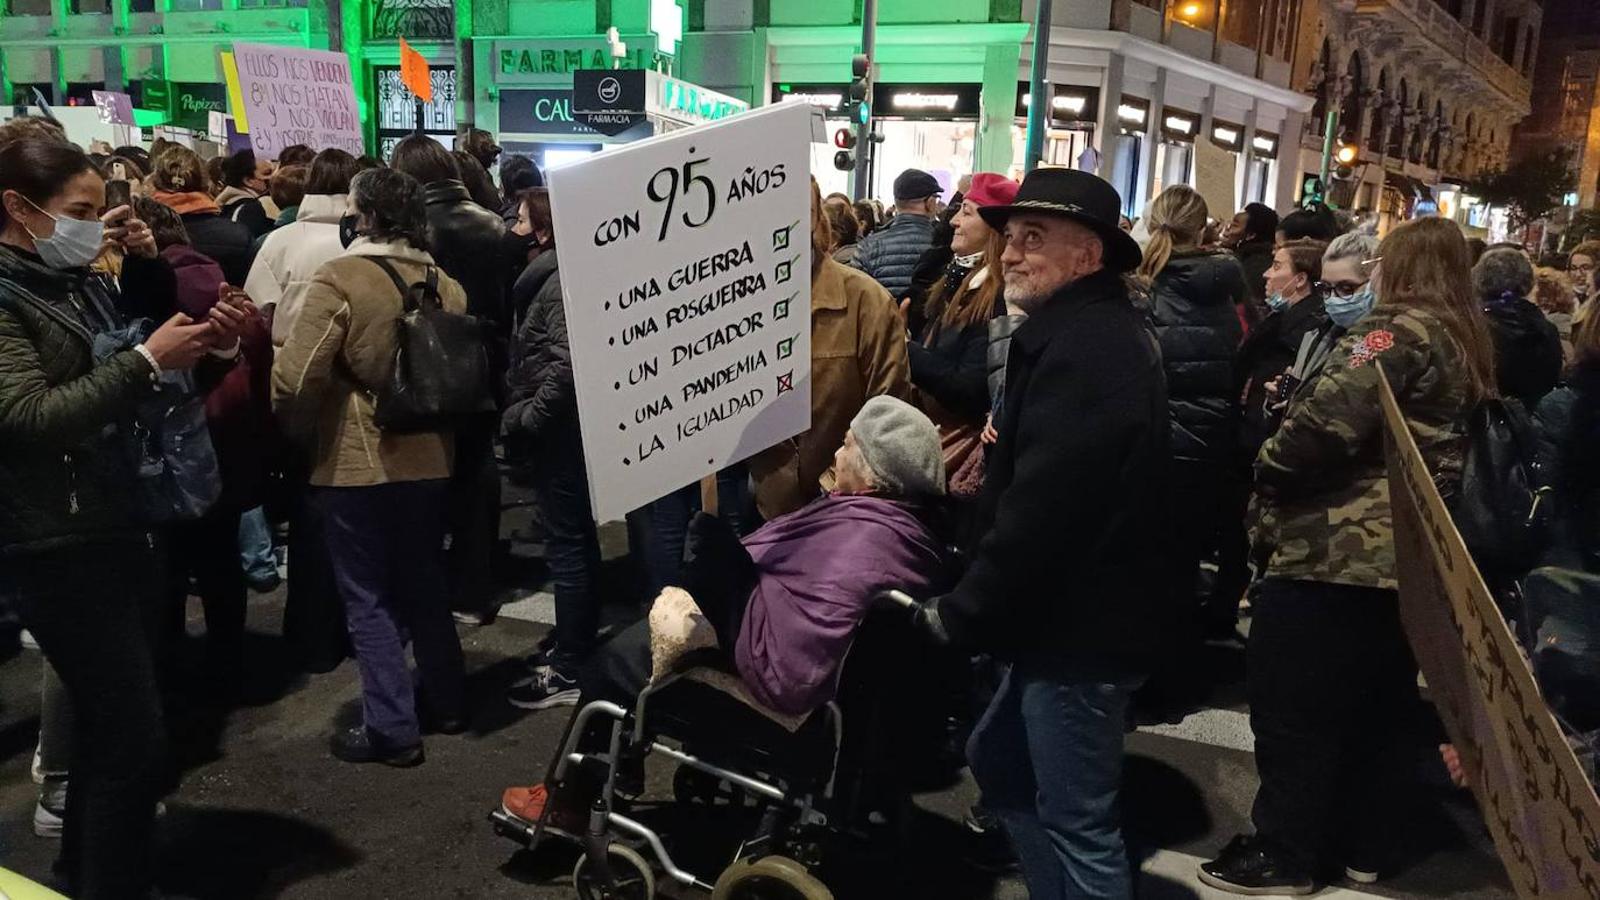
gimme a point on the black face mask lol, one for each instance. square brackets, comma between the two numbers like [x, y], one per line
[517, 245]
[347, 229]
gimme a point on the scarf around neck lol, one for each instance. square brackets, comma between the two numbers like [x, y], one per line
[186, 202]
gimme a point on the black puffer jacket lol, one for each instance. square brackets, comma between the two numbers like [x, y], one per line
[467, 242]
[64, 475]
[1192, 303]
[540, 391]
[891, 253]
[1270, 349]
[1568, 423]
[224, 240]
[1527, 349]
[1255, 258]
[949, 364]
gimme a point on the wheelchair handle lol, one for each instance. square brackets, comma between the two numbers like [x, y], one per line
[900, 598]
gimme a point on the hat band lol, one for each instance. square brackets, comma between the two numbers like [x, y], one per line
[1050, 205]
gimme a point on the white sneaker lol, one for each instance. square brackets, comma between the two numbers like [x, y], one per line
[49, 814]
[26, 637]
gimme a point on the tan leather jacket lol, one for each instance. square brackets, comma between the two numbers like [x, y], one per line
[858, 351]
[339, 354]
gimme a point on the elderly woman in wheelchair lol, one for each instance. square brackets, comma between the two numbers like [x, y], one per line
[742, 666]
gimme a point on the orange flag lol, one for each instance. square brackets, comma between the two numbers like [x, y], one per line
[414, 72]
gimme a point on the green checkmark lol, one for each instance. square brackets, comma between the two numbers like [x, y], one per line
[786, 347]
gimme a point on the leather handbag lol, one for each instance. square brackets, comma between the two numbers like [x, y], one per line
[441, 364]
[963, 461]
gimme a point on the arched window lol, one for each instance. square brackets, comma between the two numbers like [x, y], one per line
[1418, 139]
[1351, 106]
[1324, 89]
[1527, 52]
[1379, 136]
[1433, 139]
[1397, 131]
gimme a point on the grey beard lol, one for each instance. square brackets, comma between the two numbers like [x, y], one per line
[1029, 303]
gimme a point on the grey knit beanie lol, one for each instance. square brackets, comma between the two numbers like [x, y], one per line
[901, 447]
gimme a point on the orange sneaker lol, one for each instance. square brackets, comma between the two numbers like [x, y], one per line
[528, 804]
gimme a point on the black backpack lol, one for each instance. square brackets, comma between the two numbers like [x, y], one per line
[1502, 508]
[441, 366]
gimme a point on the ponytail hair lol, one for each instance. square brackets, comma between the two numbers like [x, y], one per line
[1177, 220]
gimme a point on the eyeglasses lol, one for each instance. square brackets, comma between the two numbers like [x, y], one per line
[1583, 267]
[1344, 290]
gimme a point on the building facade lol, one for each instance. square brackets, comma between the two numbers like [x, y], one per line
[1426, 91]
[1566, 94]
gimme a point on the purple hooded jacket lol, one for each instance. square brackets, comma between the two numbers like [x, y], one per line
[818, 569]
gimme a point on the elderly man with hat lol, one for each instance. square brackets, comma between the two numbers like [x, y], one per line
[890, 254]
[784, 602]
[1066, 584]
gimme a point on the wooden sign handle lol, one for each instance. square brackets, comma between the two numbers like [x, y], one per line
[708, 494]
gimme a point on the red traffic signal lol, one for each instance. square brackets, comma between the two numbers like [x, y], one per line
[844, 138]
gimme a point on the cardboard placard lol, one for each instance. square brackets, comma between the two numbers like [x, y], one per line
[686, 267]
[1534, 795]
[116, 108]
[297, 96]
[1214, 177]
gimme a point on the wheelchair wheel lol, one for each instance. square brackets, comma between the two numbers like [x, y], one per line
[632, 876]
[769, 878]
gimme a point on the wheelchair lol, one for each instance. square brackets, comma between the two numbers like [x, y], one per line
[805, 786]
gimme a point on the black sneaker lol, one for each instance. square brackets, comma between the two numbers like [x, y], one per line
[1254, 866]
[355, 745]
[546, 688]
[986, 847]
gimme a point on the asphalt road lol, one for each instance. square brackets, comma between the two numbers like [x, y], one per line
[263, 811]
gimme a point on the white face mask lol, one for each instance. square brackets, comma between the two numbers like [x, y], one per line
[74, 244]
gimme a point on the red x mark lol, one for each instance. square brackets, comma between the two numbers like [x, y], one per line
[786, 382]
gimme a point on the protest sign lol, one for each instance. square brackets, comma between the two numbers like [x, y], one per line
[116, 108]
[1535, 797]
[297, 96]
[686, 267]
[1214, 177]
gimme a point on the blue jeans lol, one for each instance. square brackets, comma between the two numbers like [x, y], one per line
[668, 523]
[255, 546]
[1048, 755]
[572, 550]
[385, 543]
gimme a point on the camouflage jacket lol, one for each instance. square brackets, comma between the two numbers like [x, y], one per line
[1322, 511]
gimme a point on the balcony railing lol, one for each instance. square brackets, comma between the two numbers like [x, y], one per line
[1438, 26]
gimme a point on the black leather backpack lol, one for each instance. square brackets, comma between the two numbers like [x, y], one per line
[441, 366]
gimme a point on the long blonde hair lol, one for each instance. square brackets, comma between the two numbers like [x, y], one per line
[971, 302]
[1177, 220]
[1426, 265]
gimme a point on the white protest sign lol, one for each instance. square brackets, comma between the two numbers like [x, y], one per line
[685, 265]
[297, 96]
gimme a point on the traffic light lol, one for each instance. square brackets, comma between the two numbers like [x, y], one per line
[845, 140]
[1345, 156]
[1311, 191]
[860, 88]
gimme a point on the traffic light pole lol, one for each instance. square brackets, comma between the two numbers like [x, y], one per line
[1040, 103]
[1330, 128]
[869, 34]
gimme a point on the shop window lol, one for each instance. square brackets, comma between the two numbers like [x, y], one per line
[267, 4]
[141, 6]
[81, 93]
[194, 5]
[1201, 14]
[1174, 165]
[1126, 171]
[28, 7]
[1241, 22]
[91, 6]
[22, 92]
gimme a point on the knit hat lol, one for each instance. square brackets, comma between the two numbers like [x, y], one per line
[901, 447]
[914, 184]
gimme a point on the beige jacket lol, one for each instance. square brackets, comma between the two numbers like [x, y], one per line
[338, 355]
[858, 351]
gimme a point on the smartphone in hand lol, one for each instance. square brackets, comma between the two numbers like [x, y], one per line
[118, 193]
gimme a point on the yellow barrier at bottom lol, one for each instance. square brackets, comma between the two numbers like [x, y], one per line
[1534, 795]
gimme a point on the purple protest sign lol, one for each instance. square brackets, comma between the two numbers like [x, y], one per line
[297, 96]
[115, 107]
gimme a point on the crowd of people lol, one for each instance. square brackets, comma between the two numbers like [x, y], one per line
[1081, 453]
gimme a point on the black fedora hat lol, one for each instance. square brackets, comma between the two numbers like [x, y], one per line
[1086, 199]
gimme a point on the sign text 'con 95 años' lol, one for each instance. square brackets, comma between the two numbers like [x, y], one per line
[688, 298]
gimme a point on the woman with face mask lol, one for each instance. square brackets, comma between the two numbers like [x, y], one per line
[1294, 310]
[1331, 678]
[69, 528]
